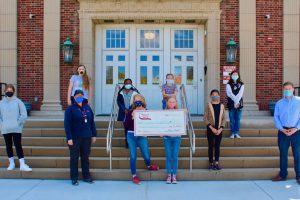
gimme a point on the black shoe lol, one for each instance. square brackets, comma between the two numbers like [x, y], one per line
[88, 180]
[75, 182]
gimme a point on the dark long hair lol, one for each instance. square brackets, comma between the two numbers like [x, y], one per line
[237, 81]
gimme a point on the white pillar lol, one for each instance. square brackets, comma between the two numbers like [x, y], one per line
[248, 52]
[291, 41]
[212, 79]
[8, 41]
[51, 101]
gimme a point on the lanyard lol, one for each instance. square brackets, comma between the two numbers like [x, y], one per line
[84, 114]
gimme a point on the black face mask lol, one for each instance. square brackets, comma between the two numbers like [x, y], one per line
[9, 94]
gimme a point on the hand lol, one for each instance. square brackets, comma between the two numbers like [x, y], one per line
[219, 131]
[69, 102]
[237, 105]
[215, 131]
[286, 131]
[292, 131]
[70, 142]
[94, 140]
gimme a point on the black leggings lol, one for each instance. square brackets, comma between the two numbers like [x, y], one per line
[16, 138]
[213, 141]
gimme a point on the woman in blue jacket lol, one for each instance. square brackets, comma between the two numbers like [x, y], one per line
[125, 100]
[80, 132]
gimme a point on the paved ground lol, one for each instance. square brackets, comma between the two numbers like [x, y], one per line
[14, 189]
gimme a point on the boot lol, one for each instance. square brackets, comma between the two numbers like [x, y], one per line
[23, 166]
[11, 164]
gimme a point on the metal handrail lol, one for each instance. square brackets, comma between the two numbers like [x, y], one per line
[110, 130]
[190, 127]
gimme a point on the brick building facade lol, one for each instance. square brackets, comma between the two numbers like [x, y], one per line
[268, 53]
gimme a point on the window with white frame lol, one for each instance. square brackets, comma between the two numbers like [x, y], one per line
[149, 39]
[184, 39]
[115, 39]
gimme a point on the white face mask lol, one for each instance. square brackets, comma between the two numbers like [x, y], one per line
[128, 87]
[170, 81]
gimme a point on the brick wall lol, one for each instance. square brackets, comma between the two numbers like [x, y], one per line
[69, 28]
[269, 70]
[30, 51]
[229, 29]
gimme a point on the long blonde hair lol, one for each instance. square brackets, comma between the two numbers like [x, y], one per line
[85, 78]
[176, 106]
[142, 99]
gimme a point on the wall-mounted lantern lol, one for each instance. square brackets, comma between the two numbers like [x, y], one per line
[68, 47]
[231, 51]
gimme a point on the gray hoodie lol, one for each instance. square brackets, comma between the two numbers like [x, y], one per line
[12, 115]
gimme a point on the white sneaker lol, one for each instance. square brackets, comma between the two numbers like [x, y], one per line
[238, 136]
[232, 136]
[11, 166]
[25, 168]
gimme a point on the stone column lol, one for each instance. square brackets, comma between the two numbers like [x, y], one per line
[51, 101]
[212, 54]
[8, 41]
[86, 49]
[291, 41]
[248, 52]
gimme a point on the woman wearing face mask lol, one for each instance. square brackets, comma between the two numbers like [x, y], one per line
[79, 81]
[169, 89]
[235, 91]
[172, 148]
[139, 103]
[125, 100]
[80, 132]
[12, 118]
[215, 121]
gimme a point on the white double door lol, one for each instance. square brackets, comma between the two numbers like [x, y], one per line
[128, 52]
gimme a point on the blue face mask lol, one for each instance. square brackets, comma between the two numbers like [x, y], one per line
[235, 78]
[79, 99]
[287, 93]
[138, 103]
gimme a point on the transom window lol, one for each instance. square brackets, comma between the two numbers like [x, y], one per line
[115, 39]
[184, 39]
[149, 39]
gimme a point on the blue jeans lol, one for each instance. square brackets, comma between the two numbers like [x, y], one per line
[284, 143]
[235, 118]
[172, 147]
[164, 104]
[133, 143]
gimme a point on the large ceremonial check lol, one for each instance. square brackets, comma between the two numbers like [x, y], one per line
[159, 123]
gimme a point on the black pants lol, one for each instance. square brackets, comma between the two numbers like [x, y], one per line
[125, 133]
[16, 138]
[81, 147]
[213, 141]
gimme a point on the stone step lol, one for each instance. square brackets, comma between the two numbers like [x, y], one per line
[123, 162]
[256, 122]
[153, 141]
[56, 132]
[124, 174]
[154, 151]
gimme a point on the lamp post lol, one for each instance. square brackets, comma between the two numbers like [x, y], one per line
[68, 47]
[231, 51]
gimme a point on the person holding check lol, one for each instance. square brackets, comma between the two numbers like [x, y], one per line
[287, 121]
[139, 103]
[80, 133]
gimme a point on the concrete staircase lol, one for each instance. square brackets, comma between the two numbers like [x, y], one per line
[255, 156]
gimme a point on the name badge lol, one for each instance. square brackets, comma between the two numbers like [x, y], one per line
[85, 120]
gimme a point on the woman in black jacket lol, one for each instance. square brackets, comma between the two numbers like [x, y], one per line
[125, 100]
[80, 133]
